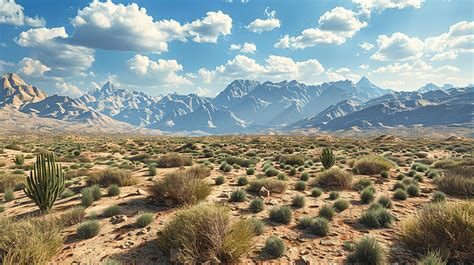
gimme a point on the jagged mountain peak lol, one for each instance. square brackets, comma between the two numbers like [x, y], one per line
[13, 79]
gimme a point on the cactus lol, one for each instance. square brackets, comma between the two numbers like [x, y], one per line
[327, 158]
[19, 159]
[45, 183]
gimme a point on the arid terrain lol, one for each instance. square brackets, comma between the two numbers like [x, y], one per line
[375, 185]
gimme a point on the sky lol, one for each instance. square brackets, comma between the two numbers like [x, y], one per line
[200, 46]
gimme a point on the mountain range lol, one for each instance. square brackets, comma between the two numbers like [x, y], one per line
[244, 106]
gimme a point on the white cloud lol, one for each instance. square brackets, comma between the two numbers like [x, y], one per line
[261, 25]
[12, 13]
[459, 39]
[366, 46]
[110, 26]
[32, 67]
[203, 92]
[269, 13]
[335, 27]
[380, 5]
[247, 47]
[4, 65]
[65, 88]
[341, 74]
[51, 48]
[398, 47]
[364, 66]
[161, 72]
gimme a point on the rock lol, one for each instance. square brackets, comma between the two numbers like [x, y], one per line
[329, 242]
[264, 192]
[118, 219]
[144, 231]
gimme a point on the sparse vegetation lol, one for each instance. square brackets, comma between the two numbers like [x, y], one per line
[370, 165]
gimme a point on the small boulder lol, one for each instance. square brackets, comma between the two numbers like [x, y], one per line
[264, 192]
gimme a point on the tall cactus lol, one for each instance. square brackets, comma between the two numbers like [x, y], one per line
[46, 182]
[327, 158]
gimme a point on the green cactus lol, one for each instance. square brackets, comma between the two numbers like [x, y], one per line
[45, 183]
[19, 159]
[327, 158]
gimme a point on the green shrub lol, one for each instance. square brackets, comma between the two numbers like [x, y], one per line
[9, 195]
[319, 226]
[107, 177]
[385, 202]
[113, 190]
[274, 247]
[316, 192]
[19, 159]
[273, 185]
[300, 185]
[73, 216]
[327, 158]
[334, 178]
[413, 190]
[457, 181]
[173, 160]
[220, 180]
[257, 205]
[144, 219]
[242, 181]
[340, 205]
[362, 184]
[250, 171]
[12, 181]
[238, 196]
[298, 201]
[96, 192]
[327, 212]
[152, 169]
[292, 172]
[400, 194]
[270, 172]
[231, 160]
[112, 210]
[258, 226]
[88, 229]
[438, 196]
[367, 195]
[66, 194]
[446, 228]
[209, 224]
[367, 251]
[304, 176]
[87, 197]
[333, 195]
[370, 165]
[304, 222]
[431, 258]
[281, 214]
[377, 216]
[293, 160]
[384, 174]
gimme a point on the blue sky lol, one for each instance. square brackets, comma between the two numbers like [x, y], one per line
[191, 46]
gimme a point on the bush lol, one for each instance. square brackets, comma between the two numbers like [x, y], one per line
[257, 205]
[333, 195]
[220, 180]
[370, 165]
[384, 174]
[438, 196]
[457, 181]
[274, 247]
[300, 185]
[88, 229]
[173, 160]
[340, 205]
[144, 219]
[400, 194]
[181, 186]
[304, 176]
[87, 197]
[327, 212]
[293, 160]
[114, 190]
[273, 185]
[270, 172]
[298, 201]
[334, 178]
[258, 226]
[73, 216]
[107, 177]
[250, 171]
[431, 258]
[96, 192]
[242, 181]
[377, 216]
[66, 194]
[208, 224]
[367, 251]
[152, 169]
[362, 184]
[413, 190]
[11, 181]
[239, 161]
[281, 214]
[319, 226]
[446, 228]
[367, 195]
[9, 195]
[112, 210]
[304, 222]
[33, 241]
[238, 196]
[385, 202]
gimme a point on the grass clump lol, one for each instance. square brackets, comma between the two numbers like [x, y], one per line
[327, 212]
[334, 178]
[112, 210]
[400, 194]
[257, 205]
[316, 192]
[367, 251]
[242, 181]
[88, 229]
[431, 258]
[319, 226]
[204, 233]
[445, 228]
[281, 214]
[367, 195]
[73, 216]
[144, 219]
[438, 196]
[220, 180]
[377, 216]
[300, 185]
[107, 177]
[457, 181]
[340, 205]
[370, 165]
[238, 196]
[298, 201]
[273, 185]
[113, 190]
[274, 247]
[173, 160]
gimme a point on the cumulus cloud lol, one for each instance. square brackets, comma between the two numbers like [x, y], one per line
[110, 26]
[459, 39]
[32, 67]
[380, 5]
[160, 73]
[398, 47]
[268, 24]
[337, 74]
[335, 26]
[65, 88]
[13, 14]
[366, 46]
[247, 47]
[51, 48]
[4, 65]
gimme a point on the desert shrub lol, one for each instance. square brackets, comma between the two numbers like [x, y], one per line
[400, 194]
[281, 176]
[316, 192]
[112, 210]
[204, 233]
[88, 229]
[367, 195]
[181, 186]
[66, 193]
[304, 222]
[370, 165]
[281, 214]
[319, 226]
[238, 195]
[418, 178]
[431, 258]
[413, 190]
[367, 251]
[293, 160]
[173, 160]
[19, 159]
[257, 205]
[384, 174]
[446, 228]
[2, 208]
[242, 181]
[377, 216]
[385, 202]
[334, 178]
[419, 167]
[273, 185]
[33, 241]
[292, 172]
[73, 216]
[438, 196]
[304, 176]
[258, 226]
[274, 247]
[144, 219]
[11, 181]
[457, 181]
[113, 190]
[107, 177]
[399, 185]
[340, 205]
[298, 201]
[239, 161]
[250, 171]
[362, 184]
[225, 167]
[327, 212]
[270, 172]
[96, 192]
[220, 180]
[198, 171]
[300, 185]
[152, 169]
[8, 196]
[87, 197]
[333, 195]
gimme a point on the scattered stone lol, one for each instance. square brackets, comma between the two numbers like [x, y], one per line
[264, 192]
[329, 242]
[118, 219]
